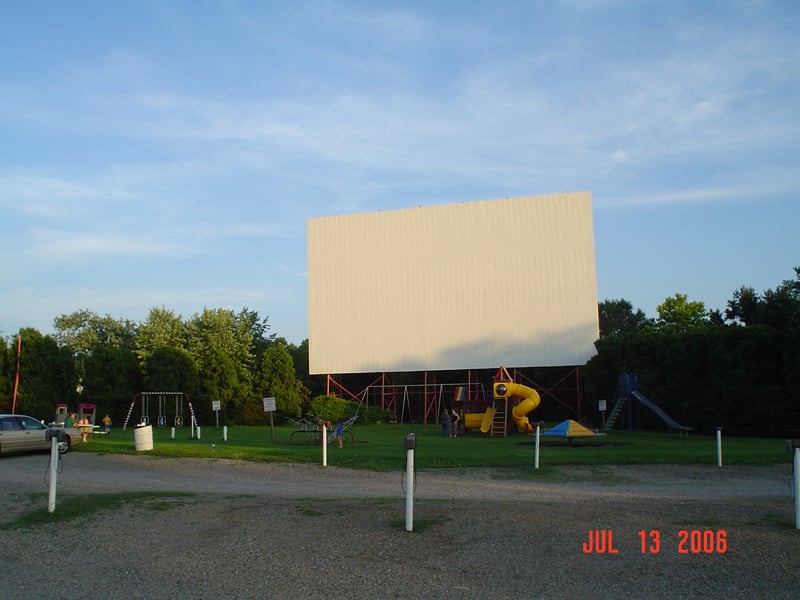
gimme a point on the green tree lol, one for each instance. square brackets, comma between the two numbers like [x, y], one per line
[743, 306]
[778, 307]
[745, 379]
[617, 317]
[7, 372]
[299, 356]
[221, 345]
[791, 364]
[111, 379]
[47, 375]
[793, 284]
[171, 370]
[163, 328]
[276, 378]
[82, 331]
[774, 308]
[679, 312]
[314, 385]
[259, 331]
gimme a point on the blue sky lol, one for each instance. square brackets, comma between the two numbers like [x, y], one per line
[158, 153]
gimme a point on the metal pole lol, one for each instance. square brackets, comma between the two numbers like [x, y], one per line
[16, 377]
[796, 488]
[410, 490]
[719, 446]
[51, 501]
[324, 446]
[536, 452]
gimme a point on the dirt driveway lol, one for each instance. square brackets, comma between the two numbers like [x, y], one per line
[299, 531]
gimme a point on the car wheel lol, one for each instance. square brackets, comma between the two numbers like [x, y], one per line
[63, 447]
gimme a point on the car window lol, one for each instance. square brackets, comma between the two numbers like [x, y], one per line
[30, 424]
[9, 424]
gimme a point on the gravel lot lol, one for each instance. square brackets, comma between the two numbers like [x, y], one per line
[300, 531]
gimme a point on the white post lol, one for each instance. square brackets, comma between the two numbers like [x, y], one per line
[51, 501]
[324, 445]
[410, 490]
[719, 446]
[172, 433]
[536, 451]
[224, 433]
[796, 488]
[198, 432]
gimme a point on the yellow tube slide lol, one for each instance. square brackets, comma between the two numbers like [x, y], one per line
[530, 400]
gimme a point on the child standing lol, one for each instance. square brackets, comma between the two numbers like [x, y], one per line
[340, 432]
[445, 421]
[454, 419]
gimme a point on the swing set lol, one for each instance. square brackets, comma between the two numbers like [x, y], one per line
[165, 401]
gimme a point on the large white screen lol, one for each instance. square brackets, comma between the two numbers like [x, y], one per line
[463, 286]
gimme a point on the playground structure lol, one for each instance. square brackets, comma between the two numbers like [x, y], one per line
[628, 391]
[165, 401]
[495, 419]
[424, 402]
[409, 403]
[569, 429]
[499, 415]
[87, 413]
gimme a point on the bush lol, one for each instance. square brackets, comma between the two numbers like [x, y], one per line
[331, 408]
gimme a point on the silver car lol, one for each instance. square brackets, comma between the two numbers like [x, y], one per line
[20, 433]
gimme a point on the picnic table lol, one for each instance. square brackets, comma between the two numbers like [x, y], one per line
[85, 429]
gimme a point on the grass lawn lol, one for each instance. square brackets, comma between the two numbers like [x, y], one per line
[381, 447]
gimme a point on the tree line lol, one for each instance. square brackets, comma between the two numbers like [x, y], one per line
[214, 355]
[738, 369]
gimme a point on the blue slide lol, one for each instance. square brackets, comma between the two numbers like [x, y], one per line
[664, 416]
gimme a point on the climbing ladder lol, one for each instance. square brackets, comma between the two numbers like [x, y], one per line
[627, 384]
[128, 416]
[500, 420]
[615, 413]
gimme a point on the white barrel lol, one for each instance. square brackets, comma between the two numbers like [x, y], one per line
[143, 437]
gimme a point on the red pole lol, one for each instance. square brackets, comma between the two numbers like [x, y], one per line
[16, 379]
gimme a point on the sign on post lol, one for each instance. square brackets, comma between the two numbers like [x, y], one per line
[269, 406]
[215, 406]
